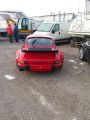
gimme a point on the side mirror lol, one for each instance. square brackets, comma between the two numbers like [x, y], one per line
[53, 31]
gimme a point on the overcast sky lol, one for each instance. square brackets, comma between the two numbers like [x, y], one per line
[43, 7]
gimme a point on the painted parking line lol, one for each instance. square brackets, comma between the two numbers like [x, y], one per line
[74, 119]
[72, 61]
[43, 101]
[48, 105]
[75, 67]
[9, 77]
[81, 63]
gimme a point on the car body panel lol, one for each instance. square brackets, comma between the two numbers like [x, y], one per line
[60, 30]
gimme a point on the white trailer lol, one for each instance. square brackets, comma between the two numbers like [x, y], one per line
[14, 17]
[3, 22]
[80, 28]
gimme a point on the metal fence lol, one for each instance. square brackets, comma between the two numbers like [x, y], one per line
[55, 17]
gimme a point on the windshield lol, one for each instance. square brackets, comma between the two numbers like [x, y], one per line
[46, 27]
[40, 41]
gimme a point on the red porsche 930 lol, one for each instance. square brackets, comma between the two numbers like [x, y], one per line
[39, 53]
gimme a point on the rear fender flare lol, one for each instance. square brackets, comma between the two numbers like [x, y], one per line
[19, 55]
[60, 55]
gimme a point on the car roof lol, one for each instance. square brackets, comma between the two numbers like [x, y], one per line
[38, 35]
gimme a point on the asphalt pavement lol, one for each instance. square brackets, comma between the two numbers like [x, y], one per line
[58, 95]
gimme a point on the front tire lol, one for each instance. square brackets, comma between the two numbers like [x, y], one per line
[82, 54]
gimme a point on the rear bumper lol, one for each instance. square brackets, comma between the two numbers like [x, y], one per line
[40, 67]
[44, 67]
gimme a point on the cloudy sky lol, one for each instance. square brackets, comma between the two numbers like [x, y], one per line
[43, 7]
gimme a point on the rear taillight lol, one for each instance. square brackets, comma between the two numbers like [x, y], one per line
[21, 62]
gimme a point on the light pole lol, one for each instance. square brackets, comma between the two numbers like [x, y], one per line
[53, 14]
[78, 5]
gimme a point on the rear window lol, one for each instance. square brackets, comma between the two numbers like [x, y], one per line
[40, 41]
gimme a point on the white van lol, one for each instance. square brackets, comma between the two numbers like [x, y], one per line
[57, 30]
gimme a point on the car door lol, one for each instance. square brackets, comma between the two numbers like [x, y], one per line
[55, 32]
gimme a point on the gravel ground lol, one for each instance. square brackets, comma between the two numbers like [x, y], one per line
[58, 95]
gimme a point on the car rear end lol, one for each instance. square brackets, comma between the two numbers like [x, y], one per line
[40, 55]
[41, 60]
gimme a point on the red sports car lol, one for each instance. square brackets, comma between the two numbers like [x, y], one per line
[39, 53]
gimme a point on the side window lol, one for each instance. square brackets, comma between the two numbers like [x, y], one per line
[19, 24]
[25, 23]
[56, 27]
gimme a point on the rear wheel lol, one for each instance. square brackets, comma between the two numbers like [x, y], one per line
[76, 41]
[82, 54]
[20, 68]
[60, 67]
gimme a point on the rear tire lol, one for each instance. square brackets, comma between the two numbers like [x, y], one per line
[60, 67]
[20, 68]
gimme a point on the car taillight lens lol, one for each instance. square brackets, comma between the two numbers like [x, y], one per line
[21, 62]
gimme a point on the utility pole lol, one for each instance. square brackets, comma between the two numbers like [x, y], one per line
[53, 14]
[78, 5]
[59, 16]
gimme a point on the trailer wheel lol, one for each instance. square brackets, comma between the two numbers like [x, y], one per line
[82, 54]
[72, 43]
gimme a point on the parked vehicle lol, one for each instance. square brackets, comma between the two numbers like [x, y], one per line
[84, 51]
[80, 29]
[34, 24]
[39, 53]
[3, 24]
[22, 22]
[57, 30]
